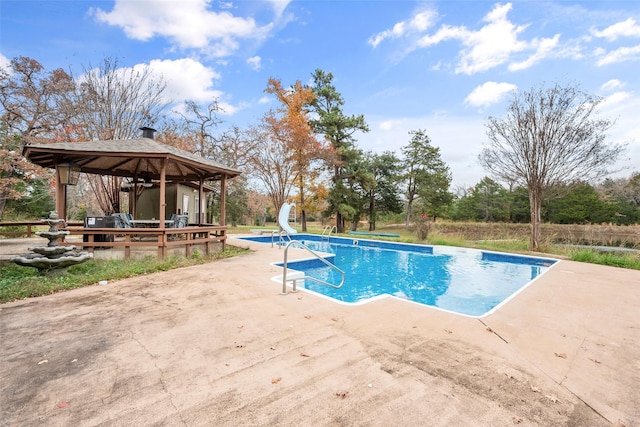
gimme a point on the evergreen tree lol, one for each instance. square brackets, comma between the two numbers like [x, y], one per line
[427, 177]
[383, 198]
[339, 130]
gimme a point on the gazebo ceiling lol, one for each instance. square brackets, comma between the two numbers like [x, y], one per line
[140, 158]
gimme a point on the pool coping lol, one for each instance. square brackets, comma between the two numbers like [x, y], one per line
[395, 246]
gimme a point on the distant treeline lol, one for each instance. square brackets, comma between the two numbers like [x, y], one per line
[612, 202]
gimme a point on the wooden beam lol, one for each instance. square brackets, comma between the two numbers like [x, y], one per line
[163, 204]
[201, 211]
[223, 200]
[163, 195]
[61, 199]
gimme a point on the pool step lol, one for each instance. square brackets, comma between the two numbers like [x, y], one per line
[292, 277]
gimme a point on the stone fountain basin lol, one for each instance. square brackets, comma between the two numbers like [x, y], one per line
[52, 234]
[51, 250]
[42, 262]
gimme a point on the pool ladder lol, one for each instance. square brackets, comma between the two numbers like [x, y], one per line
[303, 277]
[281, 238]
[330, 228]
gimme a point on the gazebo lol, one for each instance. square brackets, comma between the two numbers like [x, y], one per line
[141, 160]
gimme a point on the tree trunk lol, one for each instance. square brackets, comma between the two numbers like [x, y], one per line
[339, 219]
[372, 212]
[535, 202]
[303, 213]
[408, 218]
[339, 223]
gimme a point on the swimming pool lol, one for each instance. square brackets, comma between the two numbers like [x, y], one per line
[465, 281]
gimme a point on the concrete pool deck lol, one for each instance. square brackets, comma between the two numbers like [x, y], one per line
[217, 344]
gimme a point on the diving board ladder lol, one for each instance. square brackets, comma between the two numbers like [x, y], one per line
[330, 228]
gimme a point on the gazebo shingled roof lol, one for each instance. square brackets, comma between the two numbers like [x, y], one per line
[139, 157]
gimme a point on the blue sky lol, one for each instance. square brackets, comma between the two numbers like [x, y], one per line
[441, 66]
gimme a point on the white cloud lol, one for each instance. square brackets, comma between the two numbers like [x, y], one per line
[189, 24]
[388, 125]
[4, 63]
[628, 28]
[624, 108]
[255, 63]
[543, 49]
[494, 44]
[396, 31]
[614, 98]
[185, 79]
[189, 80]
[489, 93]
[420, 22]
[621, 54]
[612, 85]
[279, 6]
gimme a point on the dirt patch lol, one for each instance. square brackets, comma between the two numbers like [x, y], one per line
[467, 370]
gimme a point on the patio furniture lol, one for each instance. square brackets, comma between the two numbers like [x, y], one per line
[122, 220]
[180, 221]
[151, 223]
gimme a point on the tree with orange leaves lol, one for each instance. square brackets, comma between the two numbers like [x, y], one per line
[33, 107]
[302, 147]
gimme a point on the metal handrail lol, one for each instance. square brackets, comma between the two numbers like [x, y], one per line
[280, 238]
[331, 228]
[284, 269]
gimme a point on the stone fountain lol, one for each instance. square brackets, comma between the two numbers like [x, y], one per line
[53, 258]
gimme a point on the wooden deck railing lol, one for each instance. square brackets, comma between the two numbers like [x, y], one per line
[128, 239]
[151, 238]
[28, 228]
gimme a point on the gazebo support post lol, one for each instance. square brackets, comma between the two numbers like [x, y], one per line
[61, 200]
[163, 203]
[199, 209]
[223, 204]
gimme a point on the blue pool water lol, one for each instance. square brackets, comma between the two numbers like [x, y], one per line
[465, 281]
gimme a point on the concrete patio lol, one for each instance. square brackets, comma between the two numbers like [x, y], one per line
[217, 344]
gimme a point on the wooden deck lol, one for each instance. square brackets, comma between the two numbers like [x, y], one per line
[124, 242]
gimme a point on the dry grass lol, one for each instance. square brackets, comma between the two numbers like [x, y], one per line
[477, 232]
[588, 234]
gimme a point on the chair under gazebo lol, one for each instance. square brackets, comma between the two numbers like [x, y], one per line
[141, 160]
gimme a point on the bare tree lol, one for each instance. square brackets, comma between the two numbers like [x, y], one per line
[198, 132]
[202, 125]
[113, 103]
[550, 135]
[235, 146]
[270, 160]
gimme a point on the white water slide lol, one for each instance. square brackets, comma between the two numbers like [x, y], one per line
[283, 219]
